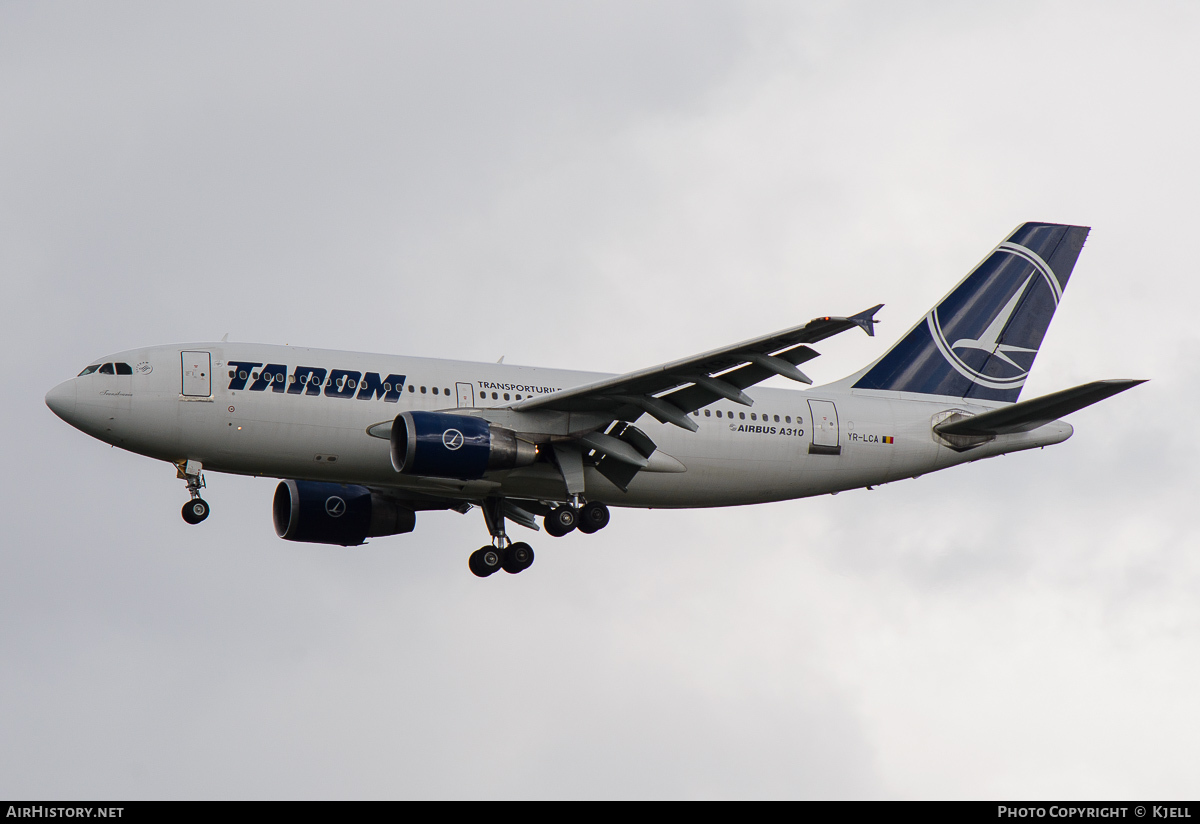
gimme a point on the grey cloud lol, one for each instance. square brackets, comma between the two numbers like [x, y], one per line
[603, 187]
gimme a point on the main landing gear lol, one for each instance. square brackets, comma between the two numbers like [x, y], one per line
[518, 557]
[502, 554]
[197, 509]
[591, 517]
[514, 558]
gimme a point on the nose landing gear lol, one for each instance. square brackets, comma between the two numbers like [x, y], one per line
[197, 509]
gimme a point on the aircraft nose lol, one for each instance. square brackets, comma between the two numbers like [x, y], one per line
[61, 400]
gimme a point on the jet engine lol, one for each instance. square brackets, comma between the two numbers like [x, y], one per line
[439, 445]
[325, 513]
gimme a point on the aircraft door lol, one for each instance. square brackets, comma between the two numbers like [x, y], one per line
[197, 374]
[466, 395]
[825, 433]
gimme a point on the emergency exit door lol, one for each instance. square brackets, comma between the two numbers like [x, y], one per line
[466, 395]
[197, 374]
[825, 431]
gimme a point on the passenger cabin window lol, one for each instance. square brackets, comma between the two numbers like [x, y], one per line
[107, 369]
[89, 370]
[124, 369]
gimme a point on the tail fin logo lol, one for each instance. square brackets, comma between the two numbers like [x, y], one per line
[980, 340]
[1012, 376]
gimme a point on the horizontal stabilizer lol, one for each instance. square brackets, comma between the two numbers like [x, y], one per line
[1029, 415]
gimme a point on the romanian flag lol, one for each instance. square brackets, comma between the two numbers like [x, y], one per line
[888, 439]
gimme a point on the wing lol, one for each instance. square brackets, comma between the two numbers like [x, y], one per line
[670, 391]
[608, 441]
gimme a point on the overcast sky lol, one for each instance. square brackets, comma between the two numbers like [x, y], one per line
[600, 186]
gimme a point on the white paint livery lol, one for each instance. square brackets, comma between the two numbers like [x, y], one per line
[692, 433]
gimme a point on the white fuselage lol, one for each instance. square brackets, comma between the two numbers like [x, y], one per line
[292, 429]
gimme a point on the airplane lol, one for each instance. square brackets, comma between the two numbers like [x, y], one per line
[363, 442]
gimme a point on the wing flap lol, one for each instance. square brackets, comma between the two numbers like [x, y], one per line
[696, 396]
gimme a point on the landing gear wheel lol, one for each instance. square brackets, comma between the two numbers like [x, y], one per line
[195, 511]
[593, 517]
[484, 561]
[517, 558]
[561, 520]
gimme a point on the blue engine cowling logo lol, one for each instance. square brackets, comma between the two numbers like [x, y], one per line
[329, 513]
[322, 513]
[439, 445]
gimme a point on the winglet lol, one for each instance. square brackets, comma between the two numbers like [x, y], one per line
[866, 319]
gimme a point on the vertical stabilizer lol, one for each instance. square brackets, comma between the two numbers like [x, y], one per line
[980, 340]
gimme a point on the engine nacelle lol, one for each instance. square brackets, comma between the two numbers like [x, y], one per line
[324, 513]
[439, 445]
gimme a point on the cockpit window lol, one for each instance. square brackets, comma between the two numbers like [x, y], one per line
[89, 370]
[124, 369]
[106, 369]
